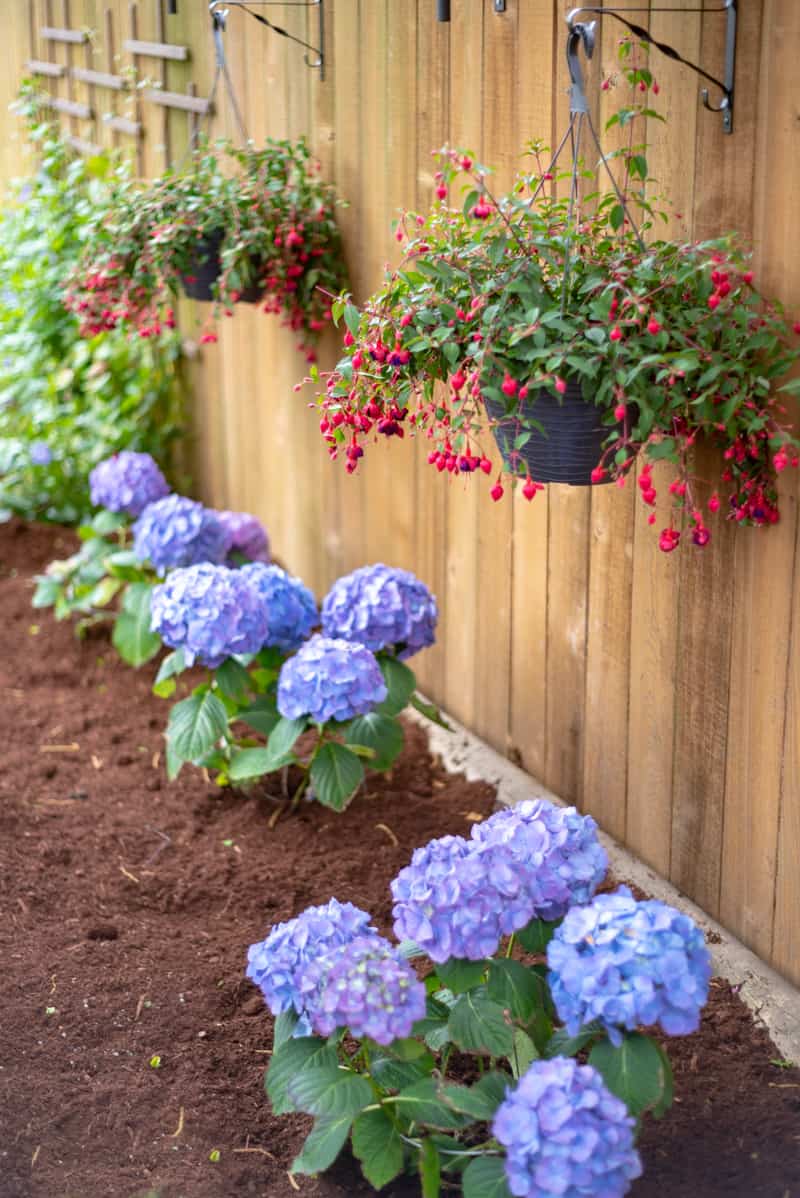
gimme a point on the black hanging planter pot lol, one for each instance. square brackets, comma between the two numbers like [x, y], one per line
[571, 445]
[205, 268]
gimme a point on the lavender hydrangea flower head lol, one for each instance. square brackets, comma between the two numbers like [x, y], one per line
[210, 612]
[382, 607]
[247, 536]
[555, 852]
[448, 901]
[40, 453]
[565, 1133]
[629, 964]
[127, 482]
[291, 606]
[277, 964]
[366, 986]
[176, 531]
[330, 680]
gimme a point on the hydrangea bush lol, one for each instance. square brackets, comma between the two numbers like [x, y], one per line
[326, 706]
[127, 482]
[524, 968]
[383, 608]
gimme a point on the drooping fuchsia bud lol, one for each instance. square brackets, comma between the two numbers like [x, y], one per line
[669, 540]
[349, 339]
[458, 380]
[713, 301]
[530, 488]
[780, 461]
[713, 503]
[619, 411]
[651, 519]
[748, 277]
[653, 326]
[598, 474]
[510, 386]
[486, 465]
[560, 385]
[796, 326]
[497, 491]
[616, 333]
[441, 192]
[466, 163]
[701, 536]
[523, 392]
[405, 320]
[481, 210]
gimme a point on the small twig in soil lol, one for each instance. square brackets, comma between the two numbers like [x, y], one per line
[263, 1152]
[74, 747]
[165, 842]
[292, 1182]
[156, 760]
[179, 1128]
[140, 1005]
[389, 833]
[276, 815]
[35, 1156]
[129, 875]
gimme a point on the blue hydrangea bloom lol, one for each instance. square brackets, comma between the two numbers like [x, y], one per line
[629, 964]
[330, 680]
[449, 900]
[247, 536]
[366, 986]
[210, 612]
[381, 607]
[566, 1134]
[291, 606]
[177, 532]
[127, 482]
[554, 853]
[277, 964]
[40, 453]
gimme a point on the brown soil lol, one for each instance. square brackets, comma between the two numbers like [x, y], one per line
[127, 908]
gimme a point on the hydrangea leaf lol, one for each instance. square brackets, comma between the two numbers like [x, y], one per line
[536, 935]
[262, 715]
[329, 1090]
[562, 1044]
[481, 1100]
[421, 1103]
[478, 1024]
[323, 1144]
[288, 1061]
[392, 1074]
[525, 1052]
[174, 663]
[124, 564]
[460, 975]
[378, 1147]
[283, 736]
[515, 986]
[247, 764]
[635, 1071]
[47, 591]
[195, 725]
[380, 733]
[430, 1169]
[233, 680]
[486, 1178]
[430, 711]
[283, 1031]
[400, 683]
[132, 637]
[336, 775]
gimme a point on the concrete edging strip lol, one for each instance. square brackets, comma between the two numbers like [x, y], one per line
[773, 1000]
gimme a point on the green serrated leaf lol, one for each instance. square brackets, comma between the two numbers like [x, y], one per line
[233, 680]
[481, 1100]
[400, 683]
[525, 1052]
[461, 975]
[247, 764]
[174, 663]
[336, 775]
[514, 986]
[329, 1090]
[132, 637]
[422, 1103]
[536, 935]
[262, 715]
[288, 1061]
[195, 725]
[485, 1178]
[378, 1147]
[323, 1144]
[634, 1071]
[380, 733]
[478, 1024]
[430, 711]
[561, 1044]
[283, 735]
[285, 1023]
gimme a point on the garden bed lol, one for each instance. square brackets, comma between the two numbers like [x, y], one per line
[128, 908]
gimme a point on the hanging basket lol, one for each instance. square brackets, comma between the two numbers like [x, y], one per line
[570, 446]
[205, 268]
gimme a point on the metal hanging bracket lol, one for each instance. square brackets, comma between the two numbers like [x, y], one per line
[220, 10]
[583, 35]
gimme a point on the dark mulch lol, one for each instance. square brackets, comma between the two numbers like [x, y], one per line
[127, 908]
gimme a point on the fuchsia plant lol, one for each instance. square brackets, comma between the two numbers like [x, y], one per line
[514, 297]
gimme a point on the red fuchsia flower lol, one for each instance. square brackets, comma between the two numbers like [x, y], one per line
[796, 326]
[653, 326]
[598, 474]
[701, 536]
[486, 465]
[466, 163]
[405, 320]
[780, 461]
[560, 385]
[651, 519]
[208, 338]
[441, 192]
[481, 210]
[497, 491]
[458, 380]
[713, 503]
[747, 277]
[713, 301]
[530, 488]
[349, 339]
[616, 333]
[510, 386]
[669, 540]
[619, 412]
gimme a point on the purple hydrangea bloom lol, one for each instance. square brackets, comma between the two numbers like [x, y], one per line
[210, 612]
[448, 902]
[40, 453]
[366, 986]
[381, 607]
[127, 482]
[277, 964]
[291, 606]
[330, 680]
[629, 964]
[565, 1133]
[178, 532]
[247, 536]
[555, 852]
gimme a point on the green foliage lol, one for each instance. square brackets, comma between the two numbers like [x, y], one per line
[132, 637]
[85, 399]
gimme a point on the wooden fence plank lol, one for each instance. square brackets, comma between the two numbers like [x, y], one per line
[133, 45]
[74, 37]
[54, 70]
[100, 78]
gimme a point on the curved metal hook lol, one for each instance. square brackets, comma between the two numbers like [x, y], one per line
[580, 35]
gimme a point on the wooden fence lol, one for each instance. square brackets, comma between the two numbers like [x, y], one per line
[661, 693]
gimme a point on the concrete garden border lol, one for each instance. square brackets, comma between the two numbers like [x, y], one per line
[773, 1000]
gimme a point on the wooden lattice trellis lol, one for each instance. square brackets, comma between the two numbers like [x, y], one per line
[53, 49]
